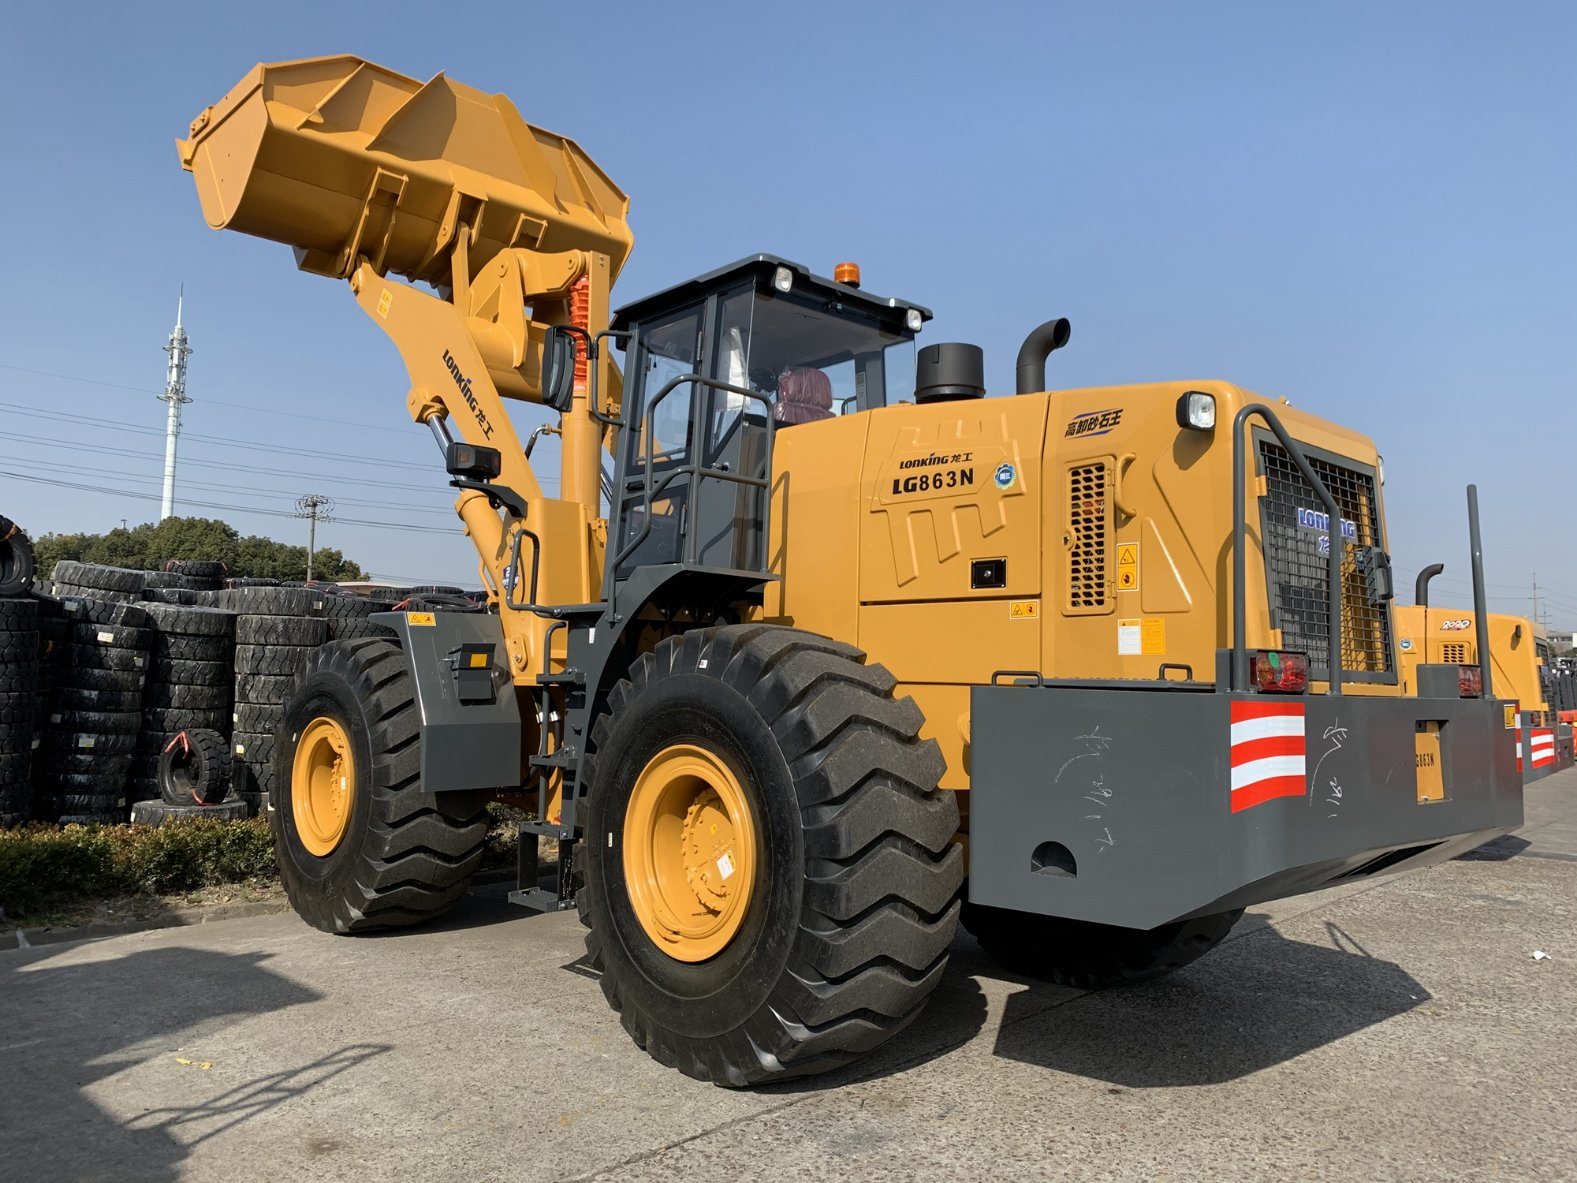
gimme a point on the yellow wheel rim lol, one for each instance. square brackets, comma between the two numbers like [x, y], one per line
[322, 779]
[689, 852]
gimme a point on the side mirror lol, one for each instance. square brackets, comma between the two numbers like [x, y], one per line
[558, 368]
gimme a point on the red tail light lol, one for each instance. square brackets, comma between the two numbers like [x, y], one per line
[1274, 672]
[1470, 681]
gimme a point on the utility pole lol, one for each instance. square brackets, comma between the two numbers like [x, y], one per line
[175, 395]
[315, 508]
[1536, 598]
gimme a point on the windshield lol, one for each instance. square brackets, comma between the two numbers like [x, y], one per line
[770, 343]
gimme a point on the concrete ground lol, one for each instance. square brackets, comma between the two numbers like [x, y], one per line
[1394, 1030]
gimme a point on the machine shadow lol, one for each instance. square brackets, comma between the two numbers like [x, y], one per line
[481, 907]
[70, 1026]
[1254, 1003]
[955, 1013]
[1496, 850]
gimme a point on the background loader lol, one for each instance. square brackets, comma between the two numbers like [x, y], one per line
[812, 622]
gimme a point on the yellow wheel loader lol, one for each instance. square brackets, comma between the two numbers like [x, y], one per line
[1506, 649]
[812, 624]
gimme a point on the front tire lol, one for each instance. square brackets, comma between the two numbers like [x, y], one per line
[360, 846]
[1090, 956]
[775, 758]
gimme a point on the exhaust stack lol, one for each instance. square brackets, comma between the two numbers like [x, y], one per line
[1037, 347]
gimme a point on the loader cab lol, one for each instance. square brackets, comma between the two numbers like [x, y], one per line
[713, 368]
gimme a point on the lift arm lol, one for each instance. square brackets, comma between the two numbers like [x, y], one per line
[368, 174]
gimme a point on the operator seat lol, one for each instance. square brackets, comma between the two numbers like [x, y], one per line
[804, 396]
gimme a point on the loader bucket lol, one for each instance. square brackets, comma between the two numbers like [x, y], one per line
[346, 161]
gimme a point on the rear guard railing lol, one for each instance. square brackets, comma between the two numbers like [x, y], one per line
[1333, 592]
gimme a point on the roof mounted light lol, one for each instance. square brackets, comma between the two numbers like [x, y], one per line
[848, 273]
[913, 320]
[1196, 411]
[783, 279]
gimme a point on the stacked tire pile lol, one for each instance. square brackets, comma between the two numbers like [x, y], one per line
[85, 751]
[197, 574]
[347, 618]
[19, 651]
[275, 629]
[90, 581]
[191, 674]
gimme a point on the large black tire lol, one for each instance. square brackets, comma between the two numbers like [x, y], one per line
[280, 630]
[269, 601]
[194, 768]
[185, 596]
[1090, 956]
[261, 689]
[194, 673]
[277, 661]
[156, 813]
[406, 856]
[16, 559]
[98, 577]
[855, 897]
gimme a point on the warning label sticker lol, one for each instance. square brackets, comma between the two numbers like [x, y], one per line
[1127, 566]
[1023, 609]
[1141, 637]
[1511, 715]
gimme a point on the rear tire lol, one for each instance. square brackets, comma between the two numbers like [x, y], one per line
[1090, 956]
[852, 902]
[403, 856]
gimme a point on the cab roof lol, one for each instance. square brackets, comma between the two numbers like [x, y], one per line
[759, 269]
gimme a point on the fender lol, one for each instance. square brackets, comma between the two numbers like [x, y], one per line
[471, 726]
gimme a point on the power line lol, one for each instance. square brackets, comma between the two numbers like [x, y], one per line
[211, 401]
[219, 440]
[123, 474]
[234, 466]
[273, 513]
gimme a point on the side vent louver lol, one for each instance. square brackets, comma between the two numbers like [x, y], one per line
[1089, 530]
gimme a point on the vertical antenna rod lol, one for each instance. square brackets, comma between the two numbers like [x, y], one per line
[175, 395]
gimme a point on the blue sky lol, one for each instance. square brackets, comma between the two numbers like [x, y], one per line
[1368, 208]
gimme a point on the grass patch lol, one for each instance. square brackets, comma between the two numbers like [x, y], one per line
[51, 872]
[46, 868]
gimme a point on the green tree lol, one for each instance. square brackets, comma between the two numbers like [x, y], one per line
[150, 545]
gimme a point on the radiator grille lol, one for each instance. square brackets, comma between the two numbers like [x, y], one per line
[1454, 653]
[1088, 528]
[1297, 563]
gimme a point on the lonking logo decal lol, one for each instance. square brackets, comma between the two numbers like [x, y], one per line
[1095, 423]
[464, 385]
[1313, 519]
[935, 460]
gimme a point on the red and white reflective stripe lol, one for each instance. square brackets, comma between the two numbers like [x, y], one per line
[1541, 746]
[1519, 755]
[1268, 751]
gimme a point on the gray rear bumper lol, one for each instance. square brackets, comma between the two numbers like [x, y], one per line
[1118, 806]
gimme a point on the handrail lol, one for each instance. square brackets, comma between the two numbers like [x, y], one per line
[1239, 663]
[693, 468]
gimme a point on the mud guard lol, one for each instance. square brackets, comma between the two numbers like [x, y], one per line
[471, 728]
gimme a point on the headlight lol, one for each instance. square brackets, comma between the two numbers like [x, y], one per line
[1196, 411]
[1379, 467]
[783, 279]
[913, 320]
